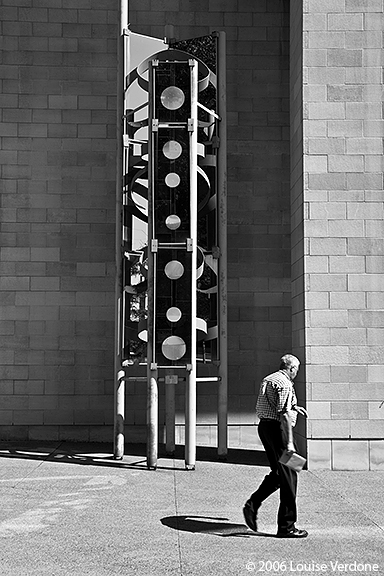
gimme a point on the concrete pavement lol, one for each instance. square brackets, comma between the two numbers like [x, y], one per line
[70, 509]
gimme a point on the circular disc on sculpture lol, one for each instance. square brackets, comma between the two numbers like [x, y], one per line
[172, 222]
[174, 270]
[172, 98]
[172, 149]
[173, 314]
[172, 179]
[173, 348]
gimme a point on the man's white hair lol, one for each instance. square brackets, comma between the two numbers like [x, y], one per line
[287, 360]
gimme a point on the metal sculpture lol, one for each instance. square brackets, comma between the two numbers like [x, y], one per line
[171, 306]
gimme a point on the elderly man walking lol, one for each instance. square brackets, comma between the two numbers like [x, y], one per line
[277, 409]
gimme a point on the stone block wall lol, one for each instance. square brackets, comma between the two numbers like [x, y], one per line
[343, 210]
[57, 218]
[305, 217]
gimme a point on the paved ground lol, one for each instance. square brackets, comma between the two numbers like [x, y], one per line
[70, 509]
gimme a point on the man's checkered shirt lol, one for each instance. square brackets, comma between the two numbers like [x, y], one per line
[274, 396]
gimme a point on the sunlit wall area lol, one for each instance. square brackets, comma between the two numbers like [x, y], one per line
[343, 233]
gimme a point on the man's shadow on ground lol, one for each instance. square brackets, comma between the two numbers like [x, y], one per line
[210, 525]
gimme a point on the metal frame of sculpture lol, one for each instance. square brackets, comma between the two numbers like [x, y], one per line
[171, 232]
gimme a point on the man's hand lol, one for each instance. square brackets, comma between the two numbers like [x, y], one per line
[301, 410]
[290, 447]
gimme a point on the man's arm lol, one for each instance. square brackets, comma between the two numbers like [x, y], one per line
[286, 425]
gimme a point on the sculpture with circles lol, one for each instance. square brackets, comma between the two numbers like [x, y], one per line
[170, 210]
[173, 308]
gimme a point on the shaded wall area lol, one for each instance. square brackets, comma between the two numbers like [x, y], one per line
[58, 146]
[297, 212]
[57, 218]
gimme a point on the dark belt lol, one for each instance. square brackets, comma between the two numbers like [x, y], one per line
[269, 420]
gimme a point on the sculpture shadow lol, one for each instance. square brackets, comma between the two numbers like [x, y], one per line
[77, 453]
[89, 454]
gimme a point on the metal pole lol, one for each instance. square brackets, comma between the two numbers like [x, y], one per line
[190, 416]
[171, 380]
[119, 395]
[152, 374]
[222, 241]
[152, 419]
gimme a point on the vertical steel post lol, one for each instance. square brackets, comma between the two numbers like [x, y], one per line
[119, 391]
[190, 416]
[152, 374]
[152, 418]
[222, 241]
[190, 419]
[170, 387]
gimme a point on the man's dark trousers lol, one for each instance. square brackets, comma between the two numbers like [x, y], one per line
[281, 477]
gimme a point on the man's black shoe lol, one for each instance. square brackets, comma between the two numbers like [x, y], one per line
[250, 515]
[294, 533]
